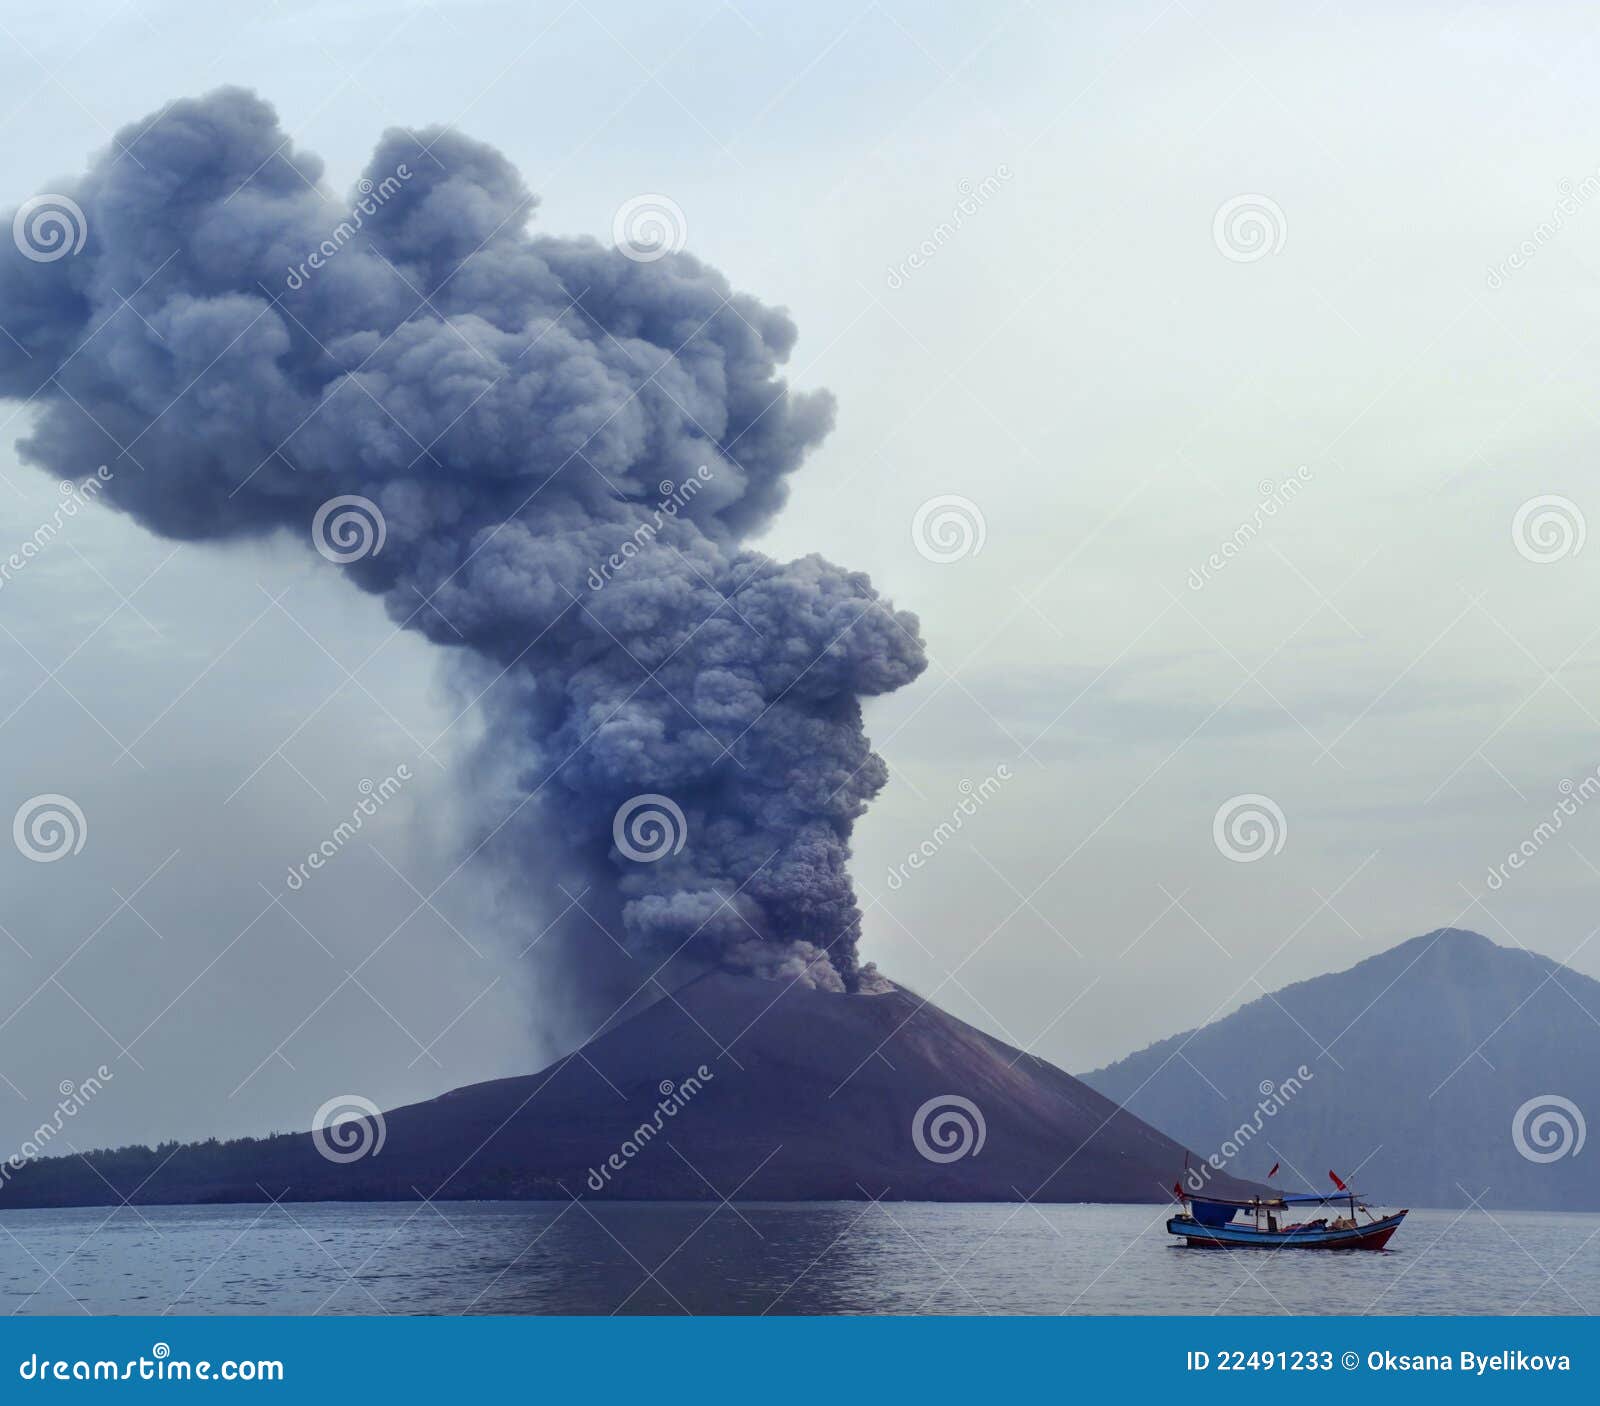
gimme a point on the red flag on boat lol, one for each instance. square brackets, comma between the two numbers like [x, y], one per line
[1273, 1172]
[1337, 1182]
[1177, 1191]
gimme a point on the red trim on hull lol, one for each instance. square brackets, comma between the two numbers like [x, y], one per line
[1363, 1242]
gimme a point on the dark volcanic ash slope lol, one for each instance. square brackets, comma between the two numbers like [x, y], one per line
[1425, 1059]
[811, 1095]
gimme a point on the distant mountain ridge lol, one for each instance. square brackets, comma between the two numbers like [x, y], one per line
[1445, 1068]
[731, 1086]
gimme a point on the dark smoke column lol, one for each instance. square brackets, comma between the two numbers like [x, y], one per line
[565, 448]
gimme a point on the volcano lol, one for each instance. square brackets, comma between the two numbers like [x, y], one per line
[735, 1087]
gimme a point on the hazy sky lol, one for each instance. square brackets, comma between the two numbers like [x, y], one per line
[1093, 354]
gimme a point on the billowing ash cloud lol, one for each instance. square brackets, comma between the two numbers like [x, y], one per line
[567, 446]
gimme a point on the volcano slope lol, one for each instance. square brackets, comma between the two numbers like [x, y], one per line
[731, 1086]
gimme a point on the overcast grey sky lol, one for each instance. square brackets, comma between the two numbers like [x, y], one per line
[1202, 251]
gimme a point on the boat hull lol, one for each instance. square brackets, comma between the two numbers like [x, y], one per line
[1227, 1237]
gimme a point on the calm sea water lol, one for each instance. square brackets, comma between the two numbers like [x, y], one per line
[509, 1257]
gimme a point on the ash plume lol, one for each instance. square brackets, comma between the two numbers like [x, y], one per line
[528, 415]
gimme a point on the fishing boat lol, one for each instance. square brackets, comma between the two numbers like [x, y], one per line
[1267, 1222]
